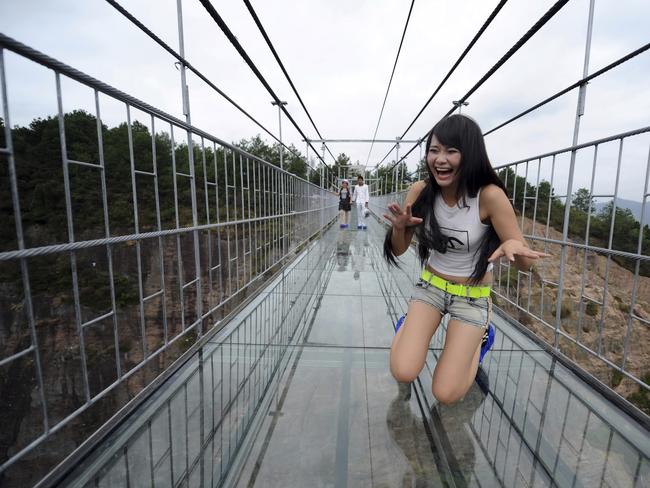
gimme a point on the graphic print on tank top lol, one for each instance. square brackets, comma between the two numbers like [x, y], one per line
[457, 240]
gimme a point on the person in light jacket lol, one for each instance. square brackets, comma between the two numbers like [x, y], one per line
[361, 197]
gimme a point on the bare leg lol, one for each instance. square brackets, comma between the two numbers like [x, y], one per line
[458, 363]
[411, 343]
[346, 217]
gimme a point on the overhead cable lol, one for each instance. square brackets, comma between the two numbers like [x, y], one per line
[476, 37]
[390, 81]
[286, 74]
[188, 65]
[242, 52]
[582, 81]
[518, 45]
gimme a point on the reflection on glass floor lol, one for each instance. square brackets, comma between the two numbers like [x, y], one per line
[296, 392]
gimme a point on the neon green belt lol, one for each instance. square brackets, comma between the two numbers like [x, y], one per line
[454, 288]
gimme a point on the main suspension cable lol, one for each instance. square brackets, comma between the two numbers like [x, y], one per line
[518, 45]
[390, 81]
[582, 81]
[476, 37]
[286, 74]
[242, 52]
[188, 65]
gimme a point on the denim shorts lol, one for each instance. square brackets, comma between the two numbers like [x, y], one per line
[473, 311]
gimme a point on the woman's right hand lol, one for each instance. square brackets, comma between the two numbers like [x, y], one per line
[401, 219]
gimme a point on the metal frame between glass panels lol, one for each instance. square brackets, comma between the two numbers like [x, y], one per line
[519, 293]
[192, 433]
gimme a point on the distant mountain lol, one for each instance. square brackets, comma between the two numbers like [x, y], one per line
[635, 208]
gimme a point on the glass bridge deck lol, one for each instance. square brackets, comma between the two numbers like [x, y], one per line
[316, 404]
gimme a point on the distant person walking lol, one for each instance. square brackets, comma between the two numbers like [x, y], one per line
[345, 204]
[361, 197]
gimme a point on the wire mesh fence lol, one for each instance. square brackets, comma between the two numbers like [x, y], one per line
[529, 414]
[192, 433]
[121, 247]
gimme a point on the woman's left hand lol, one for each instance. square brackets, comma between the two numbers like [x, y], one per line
[514, 247]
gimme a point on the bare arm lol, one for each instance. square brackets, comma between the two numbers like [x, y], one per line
[403, 221]
[502, 216]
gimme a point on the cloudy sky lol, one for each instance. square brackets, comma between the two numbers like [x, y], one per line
[339, 54]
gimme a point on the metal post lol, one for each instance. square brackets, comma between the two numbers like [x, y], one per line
[396, 170]
[400, 169]
[190, 155]
[307, 160]
[322, 168]
[459, 105]
[580, 110]
[283, 194]
[420, 161]
[280, 105]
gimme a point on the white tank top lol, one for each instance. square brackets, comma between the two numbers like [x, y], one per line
[464, 231]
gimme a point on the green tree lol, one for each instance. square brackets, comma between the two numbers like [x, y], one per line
[341, 166]
[294, 161]
[583, 201]
[421, 172]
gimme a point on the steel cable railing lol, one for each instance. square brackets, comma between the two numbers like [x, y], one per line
[259, 25]
[106, 284]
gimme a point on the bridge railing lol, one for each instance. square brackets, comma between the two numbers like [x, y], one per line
[193, 430]
[587, 206]
[122, 249]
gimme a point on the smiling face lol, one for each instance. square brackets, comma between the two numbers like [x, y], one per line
[444, 163]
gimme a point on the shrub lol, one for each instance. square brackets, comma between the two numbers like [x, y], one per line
[641, 399]
[565, 311]
[591, 309]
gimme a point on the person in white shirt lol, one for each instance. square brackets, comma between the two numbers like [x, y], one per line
[361, 196]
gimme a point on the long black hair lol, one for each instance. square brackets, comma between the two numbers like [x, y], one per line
[475, 172]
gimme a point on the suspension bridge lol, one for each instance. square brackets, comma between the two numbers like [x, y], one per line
[178, 311]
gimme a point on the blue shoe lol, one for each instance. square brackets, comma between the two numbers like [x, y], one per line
[342, 226]
[488, 341]
[345, 226]
[399, 323]
[358, 227]
[483, 381]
